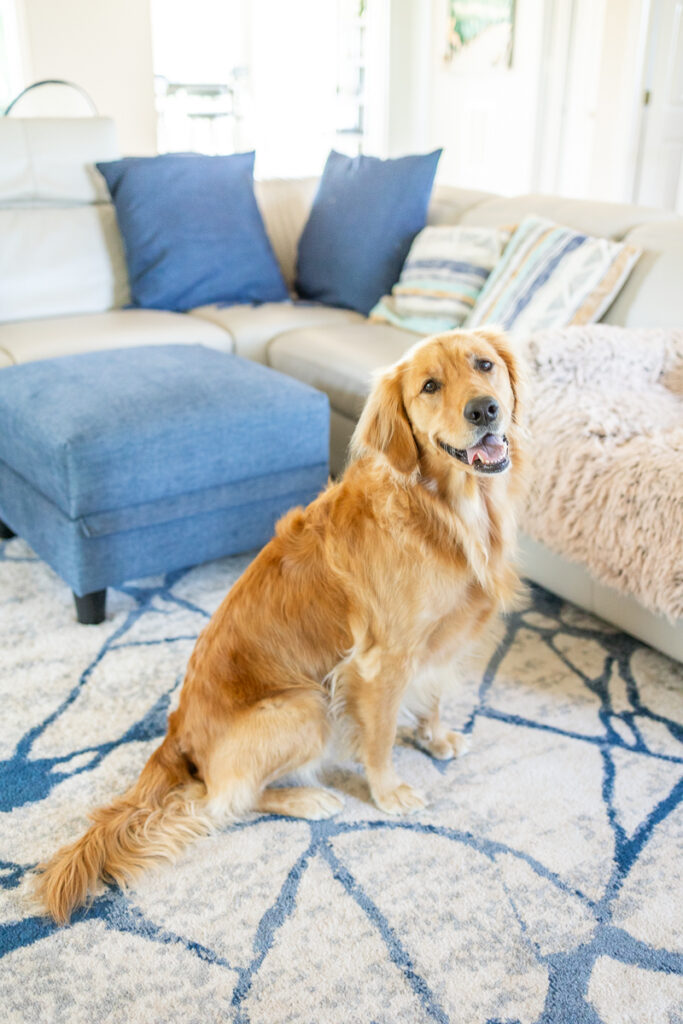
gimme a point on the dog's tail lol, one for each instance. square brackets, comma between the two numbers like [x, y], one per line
[159, 815]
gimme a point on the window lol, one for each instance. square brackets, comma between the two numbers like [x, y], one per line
[285, 79]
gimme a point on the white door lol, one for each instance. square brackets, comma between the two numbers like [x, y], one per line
[660, 158]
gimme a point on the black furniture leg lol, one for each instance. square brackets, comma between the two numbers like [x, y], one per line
[90, 607]
[5, 531]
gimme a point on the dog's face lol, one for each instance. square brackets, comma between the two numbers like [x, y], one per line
[455, 396]
[459, 399]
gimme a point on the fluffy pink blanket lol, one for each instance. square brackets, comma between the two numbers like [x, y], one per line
[606, 429]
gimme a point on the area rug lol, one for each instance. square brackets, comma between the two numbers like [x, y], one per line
[542, 884]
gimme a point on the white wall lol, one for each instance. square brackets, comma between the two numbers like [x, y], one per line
[563, 118]
[592, 98]
[104, 46]
[408, 41]
[486, 120]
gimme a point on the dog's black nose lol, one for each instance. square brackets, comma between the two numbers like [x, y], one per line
[481, 411]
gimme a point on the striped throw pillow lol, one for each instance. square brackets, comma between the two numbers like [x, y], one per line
[441, 278]
[552, 276]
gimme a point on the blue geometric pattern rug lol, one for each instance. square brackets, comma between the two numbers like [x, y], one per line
[542, 884]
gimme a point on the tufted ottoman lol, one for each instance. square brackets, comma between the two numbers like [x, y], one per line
[122, 463]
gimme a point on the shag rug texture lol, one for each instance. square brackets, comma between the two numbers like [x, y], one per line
[606, 419]
[542, 885]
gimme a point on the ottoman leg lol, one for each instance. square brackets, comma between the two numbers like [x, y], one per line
[5, 531]
[90, 607]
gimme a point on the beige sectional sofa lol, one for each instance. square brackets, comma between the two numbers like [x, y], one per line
[63, 285]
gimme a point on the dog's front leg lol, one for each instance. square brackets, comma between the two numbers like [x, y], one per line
[374, 703]
[435, 738]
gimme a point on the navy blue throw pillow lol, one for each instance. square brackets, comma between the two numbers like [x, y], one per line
[192, 231]
[365, 215]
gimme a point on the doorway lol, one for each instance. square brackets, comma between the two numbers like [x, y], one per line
[658, 178]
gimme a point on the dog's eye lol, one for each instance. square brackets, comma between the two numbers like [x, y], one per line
[430, 386]
[484, 365]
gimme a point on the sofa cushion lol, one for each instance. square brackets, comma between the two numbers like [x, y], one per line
[108, 430]
[120, 328]
[551, 276]
[441, 278]
[253, 327]
[339, 360]
[61, 250]
[59, 261]
[365, 215]
[285, 204]
[593, 217]
[449, 204]
[652, 296]
[192, 231]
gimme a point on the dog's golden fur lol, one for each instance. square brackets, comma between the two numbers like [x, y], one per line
[389, 572]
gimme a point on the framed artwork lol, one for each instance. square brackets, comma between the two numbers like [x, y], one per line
[480, 34]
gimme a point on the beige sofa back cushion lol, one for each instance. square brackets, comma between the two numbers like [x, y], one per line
[653, 296]
[449, 205]
[59, 261]
[606, 220]
[61, 250]
[285, 205]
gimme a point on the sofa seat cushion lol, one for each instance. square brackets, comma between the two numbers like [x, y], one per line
[340, 360]
[111, 430]
[119, 328]
[253, 327]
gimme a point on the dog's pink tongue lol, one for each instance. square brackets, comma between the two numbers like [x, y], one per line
[490, 449]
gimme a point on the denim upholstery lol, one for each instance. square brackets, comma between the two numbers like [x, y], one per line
[121, 463]
[364, 218]
[192, 230]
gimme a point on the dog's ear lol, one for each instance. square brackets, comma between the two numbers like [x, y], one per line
[500, 341]
[384, 425]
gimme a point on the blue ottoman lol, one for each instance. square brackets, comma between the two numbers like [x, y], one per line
[135, 461]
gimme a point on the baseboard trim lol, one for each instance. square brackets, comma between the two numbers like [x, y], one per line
[574, 583]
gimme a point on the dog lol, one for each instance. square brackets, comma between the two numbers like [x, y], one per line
[341, 619]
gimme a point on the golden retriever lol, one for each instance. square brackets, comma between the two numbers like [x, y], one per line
[338, 621]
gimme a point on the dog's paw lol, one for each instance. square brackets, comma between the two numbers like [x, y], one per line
[445, 746]
[401, 800]
[314, 804]
[308, 802]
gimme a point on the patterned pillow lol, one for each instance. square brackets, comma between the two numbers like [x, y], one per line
[552, 276]
[441, 278]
